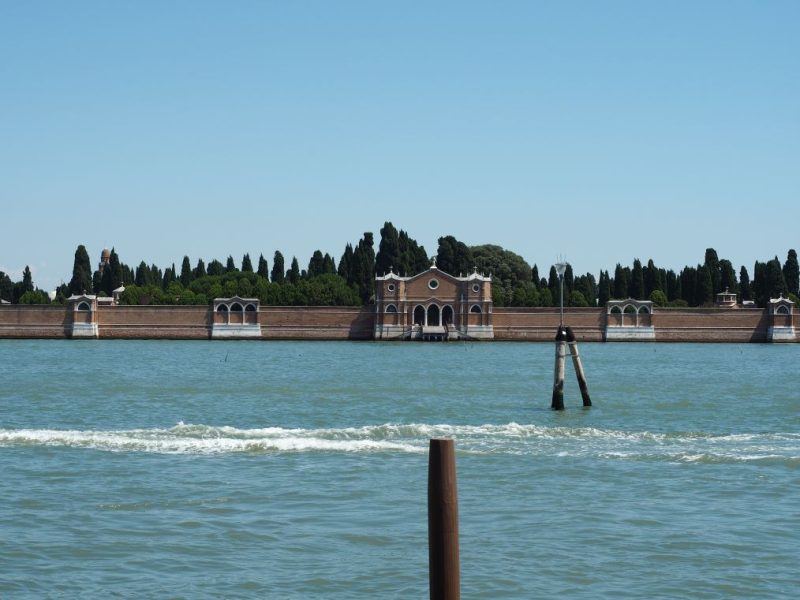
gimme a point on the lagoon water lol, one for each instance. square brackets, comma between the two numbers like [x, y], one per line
[171, 469]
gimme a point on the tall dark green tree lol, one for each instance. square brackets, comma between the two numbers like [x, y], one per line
[6, 287]
[346, 264]
[328, 265]
[364, 266]
[652, 281]
[81, 282]
[27, 280]
[413, 257]
[535, 275]
[775, 282]
[278, 274]
[637, 281]
[454, 257]
[791, 272]
[186, 272]
[230, 266]
[727, 277]
[294, 271]
[216, 268]
[744, 284]
[604, 288]
[247, 264]
[263, 268]
[711, 263]
[200, 269]
[620, 283]
[705, 287]
[316, 266]
[388, 256]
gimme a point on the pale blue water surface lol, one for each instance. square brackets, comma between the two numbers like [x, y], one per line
[165, 469]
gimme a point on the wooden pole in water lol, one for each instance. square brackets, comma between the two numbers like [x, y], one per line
[558, 371]
[576, 362]
[443, 557]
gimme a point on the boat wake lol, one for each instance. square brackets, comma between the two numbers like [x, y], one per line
[507, 439]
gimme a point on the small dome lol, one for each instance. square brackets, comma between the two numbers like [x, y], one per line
[105, 254]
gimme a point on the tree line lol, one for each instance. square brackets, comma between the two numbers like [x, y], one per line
[351, 282]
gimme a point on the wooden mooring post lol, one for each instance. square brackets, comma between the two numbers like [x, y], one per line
[443, 556]
[558, 371]
[564, 338]
[576, 362]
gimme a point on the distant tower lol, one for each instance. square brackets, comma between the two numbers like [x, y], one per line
[105, 258]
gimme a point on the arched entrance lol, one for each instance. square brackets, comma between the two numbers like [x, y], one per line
[447, 315]
[419, 315]
[433, 316]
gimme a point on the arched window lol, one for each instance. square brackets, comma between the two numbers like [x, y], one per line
[782, 310]
[84, 306]
[616, 309]
[236, 307]
[644, 310]
[250, 308]
[222, 308]
[419, 315]
[433, 316]
[475, 309]
[629, 309]
[391, 308]
[447, 315]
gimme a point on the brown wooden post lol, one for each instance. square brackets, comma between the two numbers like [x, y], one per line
[576, 362]
[558, 372]
[443, 558]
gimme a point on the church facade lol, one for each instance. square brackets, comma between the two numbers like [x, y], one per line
[433, 305]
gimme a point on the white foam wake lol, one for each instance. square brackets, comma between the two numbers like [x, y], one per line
[509, 439]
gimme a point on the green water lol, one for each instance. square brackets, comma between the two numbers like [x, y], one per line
[299, 470]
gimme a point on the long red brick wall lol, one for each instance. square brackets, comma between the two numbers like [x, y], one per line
[357, 323]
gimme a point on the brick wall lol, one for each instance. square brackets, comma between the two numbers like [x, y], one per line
[149, 322]
[317, 322]
[540, 324]
[32, 321]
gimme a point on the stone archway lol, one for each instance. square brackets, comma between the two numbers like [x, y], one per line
[433, 316]
[447, 315]
[419, 315]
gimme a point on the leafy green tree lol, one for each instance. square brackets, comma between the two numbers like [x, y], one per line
[577, 299]
[507, 269]
[81, 282]
[278, 271]
[775, 282]
[791, 272]
[454, 257]
[413, 257]
[247, 264]
[659, 298]
[328, 265]
[216, 268]
[34, 297]
[169, 277]
[587, 286]
[263, 268]
[294, 271]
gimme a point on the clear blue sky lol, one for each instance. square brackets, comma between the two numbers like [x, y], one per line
[601, 131]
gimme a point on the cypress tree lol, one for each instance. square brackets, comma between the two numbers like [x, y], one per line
[705, 289]
[230, 266]
[712, 264]
[604, 289]
[294, 271]
[454, 257]
[346, 264]
[364, 266]
[263, 268]
[728, 277]
[200, 269]
[651, 279]
[744, 284]
[637, 281]
[776, 284]
[791, 272]
[216, 268]
[535, 275]
[6, 287]
[27, 280]
[413, 257]
[247, 264]
[81, 282]
[115, 268]
[388, 256]
[278, 272]
[316, 266]
[553, 283]
[569, 281]
[620, 283]
[328, 265]
[186, 272]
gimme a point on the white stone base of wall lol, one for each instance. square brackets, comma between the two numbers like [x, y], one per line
[391, 332]
[84, 330]
[479, 332]
[781, 334]
[630, 334]
[235, 332]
